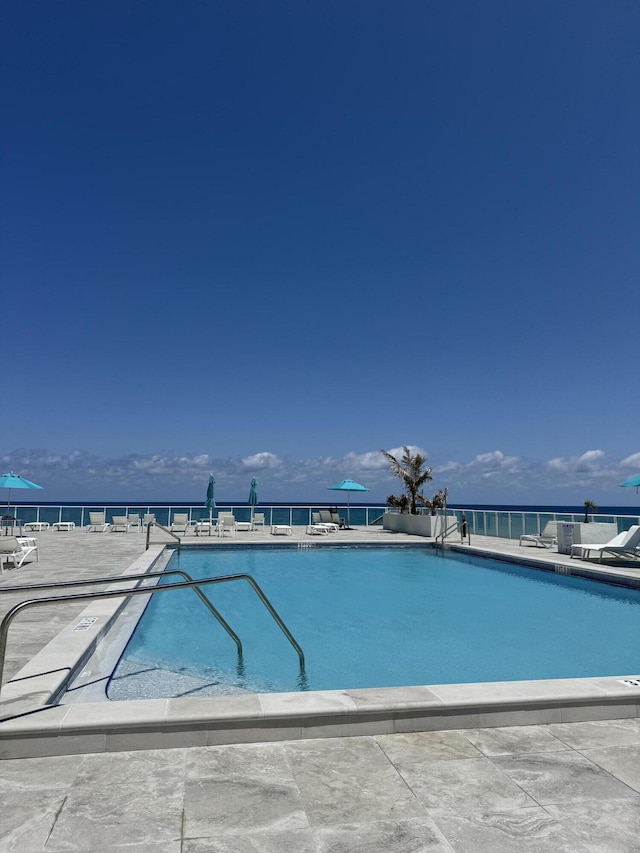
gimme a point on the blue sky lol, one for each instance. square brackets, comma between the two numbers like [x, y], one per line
[269, 239]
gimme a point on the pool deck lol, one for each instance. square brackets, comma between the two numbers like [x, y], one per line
[536, 766]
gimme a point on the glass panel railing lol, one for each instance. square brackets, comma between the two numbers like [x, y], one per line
[72, 513]
[300, 516]
[517, 525]
[280, 515]
[503, 525]
[24, 513]
[161, 513]
[491, 523]
[50, 514]
[357, 515]
[532, 523]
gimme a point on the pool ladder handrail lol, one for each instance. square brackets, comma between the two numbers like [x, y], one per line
[445, 531]
[145, 590]
[150, 524]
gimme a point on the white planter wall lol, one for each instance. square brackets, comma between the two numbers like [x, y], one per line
[417, 525]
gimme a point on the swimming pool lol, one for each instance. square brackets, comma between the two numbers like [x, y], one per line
[372, 617]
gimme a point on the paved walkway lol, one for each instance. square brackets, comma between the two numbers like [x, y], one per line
[556, 788]
[564, 788]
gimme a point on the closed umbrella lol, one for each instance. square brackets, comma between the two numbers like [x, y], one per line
[210, 502]
[253, 498]
[348, 486]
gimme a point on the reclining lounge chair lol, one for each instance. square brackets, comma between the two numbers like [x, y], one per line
[626, 544]
[16, 550]
[329, 519]
[546, 539]
[97, 522]
[180, 523]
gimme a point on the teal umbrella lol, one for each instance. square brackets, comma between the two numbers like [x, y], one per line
[253, 497]
[632, 481]
[210, 502]
[348, 486]
[15, 481]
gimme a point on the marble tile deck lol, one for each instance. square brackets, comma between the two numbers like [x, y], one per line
[426, 792]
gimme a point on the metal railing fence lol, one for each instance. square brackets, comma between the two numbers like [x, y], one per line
[298, 516]
[512, 524]
[507, 524]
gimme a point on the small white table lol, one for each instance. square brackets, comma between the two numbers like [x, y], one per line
[36, 525]
[281, 529]
[68, 526]
[244, 525]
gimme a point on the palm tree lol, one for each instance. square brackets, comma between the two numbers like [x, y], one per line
[410, 469]
[589, 506]
[438, 501]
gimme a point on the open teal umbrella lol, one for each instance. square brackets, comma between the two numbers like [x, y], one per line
[15, 481]
[632, 481]
[210, 502]
[348, 486]
[253, 497]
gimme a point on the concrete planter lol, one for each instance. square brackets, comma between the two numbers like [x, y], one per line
[417, 525]
[579, 533]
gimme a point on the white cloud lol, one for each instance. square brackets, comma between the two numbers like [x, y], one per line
[490, 477]
[371, 461]
[496, 459]
[588, 462]
[630, 463]
[260, 461]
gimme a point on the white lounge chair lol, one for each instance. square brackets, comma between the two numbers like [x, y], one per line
[546, 539]
[180, 523]
[258, 520]
[97, 522]
[315, 529]
[626, 544]
[331, 518]
[120, 523]
[148, 518]
[134, 521]
[317, 519]
[16, 549]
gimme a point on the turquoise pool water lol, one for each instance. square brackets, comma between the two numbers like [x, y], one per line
[372, 617]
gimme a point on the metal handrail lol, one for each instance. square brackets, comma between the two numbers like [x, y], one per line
[223, 622]
[84, 596]
[162, 527]
[445, 530]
